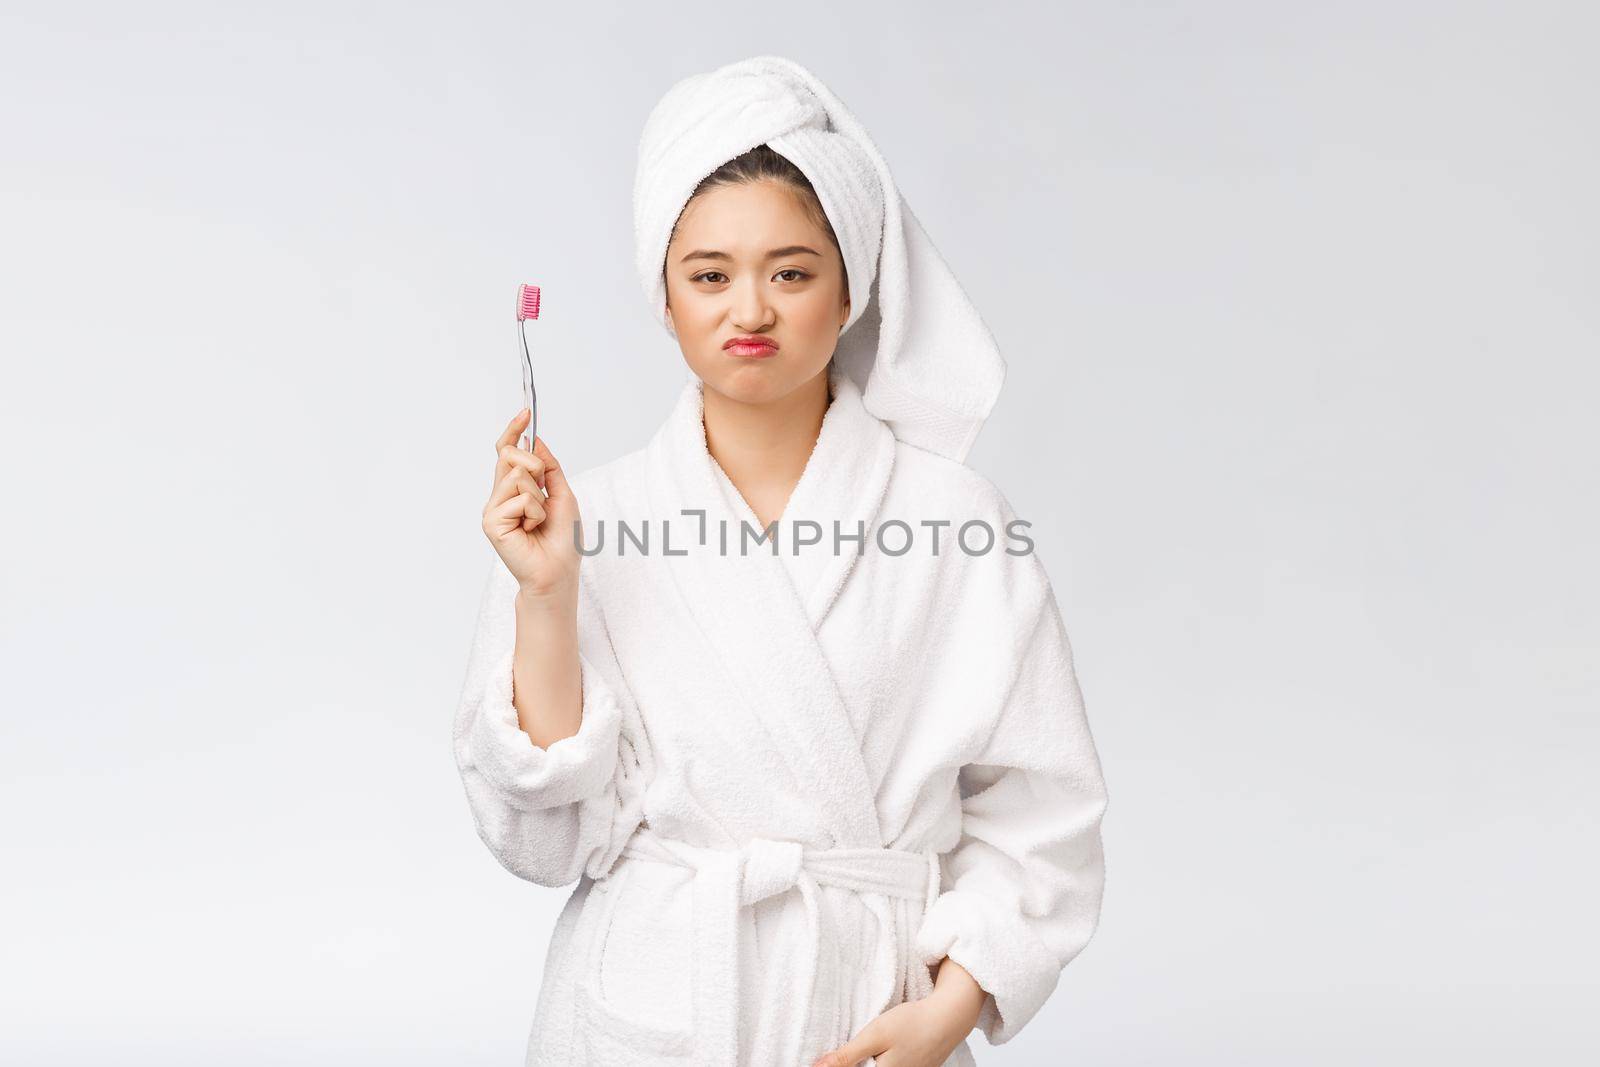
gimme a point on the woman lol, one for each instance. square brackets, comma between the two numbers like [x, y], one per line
[808, 740]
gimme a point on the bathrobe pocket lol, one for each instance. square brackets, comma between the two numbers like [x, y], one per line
[634, 995]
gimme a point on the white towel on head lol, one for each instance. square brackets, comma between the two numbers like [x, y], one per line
[924, 360]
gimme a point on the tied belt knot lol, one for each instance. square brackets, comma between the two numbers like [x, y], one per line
[729, 880]
[769, 867]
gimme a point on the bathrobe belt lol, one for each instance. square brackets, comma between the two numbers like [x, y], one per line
[727, 880]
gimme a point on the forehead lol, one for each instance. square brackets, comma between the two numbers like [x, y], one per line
[747, 217]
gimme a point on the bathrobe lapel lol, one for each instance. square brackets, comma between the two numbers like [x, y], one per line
[760, 612]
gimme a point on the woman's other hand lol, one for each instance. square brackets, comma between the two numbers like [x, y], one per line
[531, 514]
[918, 1033]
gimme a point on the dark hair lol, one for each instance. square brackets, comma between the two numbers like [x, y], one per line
[763, 163]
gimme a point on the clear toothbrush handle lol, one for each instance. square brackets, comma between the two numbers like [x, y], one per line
[530, 399]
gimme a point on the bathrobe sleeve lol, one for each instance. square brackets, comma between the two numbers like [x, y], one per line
[549, 815]
[1022, 887]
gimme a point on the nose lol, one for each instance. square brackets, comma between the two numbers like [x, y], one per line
[751, 311]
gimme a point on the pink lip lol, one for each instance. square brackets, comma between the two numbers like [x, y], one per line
[752, 350]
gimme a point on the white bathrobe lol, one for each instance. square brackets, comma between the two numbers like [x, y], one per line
[801, 779]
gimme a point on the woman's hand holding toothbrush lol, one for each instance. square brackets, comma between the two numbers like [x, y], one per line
[530, 517]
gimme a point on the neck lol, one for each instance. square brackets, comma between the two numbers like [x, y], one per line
[763, 448]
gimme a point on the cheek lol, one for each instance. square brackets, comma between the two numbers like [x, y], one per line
[818, 313]
[693, 313]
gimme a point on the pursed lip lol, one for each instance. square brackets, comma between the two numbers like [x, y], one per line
[750, 341]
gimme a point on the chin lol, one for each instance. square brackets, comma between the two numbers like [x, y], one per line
[751, 381]
[748, 385]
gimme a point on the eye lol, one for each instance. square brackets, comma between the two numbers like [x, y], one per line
[793, 270]
[702, 275]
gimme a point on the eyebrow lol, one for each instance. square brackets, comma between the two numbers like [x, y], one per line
[776, 253]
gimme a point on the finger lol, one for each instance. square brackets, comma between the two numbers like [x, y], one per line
[853, 1052]
[519, 457]
[513, 428]
[523, 509]
[554, 481]
[509, 437]
[515, 480]
[505, 487]
[525, 484]
[504, 516]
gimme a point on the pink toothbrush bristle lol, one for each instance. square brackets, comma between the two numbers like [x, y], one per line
[527, 302]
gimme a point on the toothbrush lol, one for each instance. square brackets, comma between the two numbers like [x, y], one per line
[528, 308]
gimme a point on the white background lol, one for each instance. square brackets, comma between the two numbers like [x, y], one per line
[1299, 304]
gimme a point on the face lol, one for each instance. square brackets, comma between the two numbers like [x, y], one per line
[748, 259]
